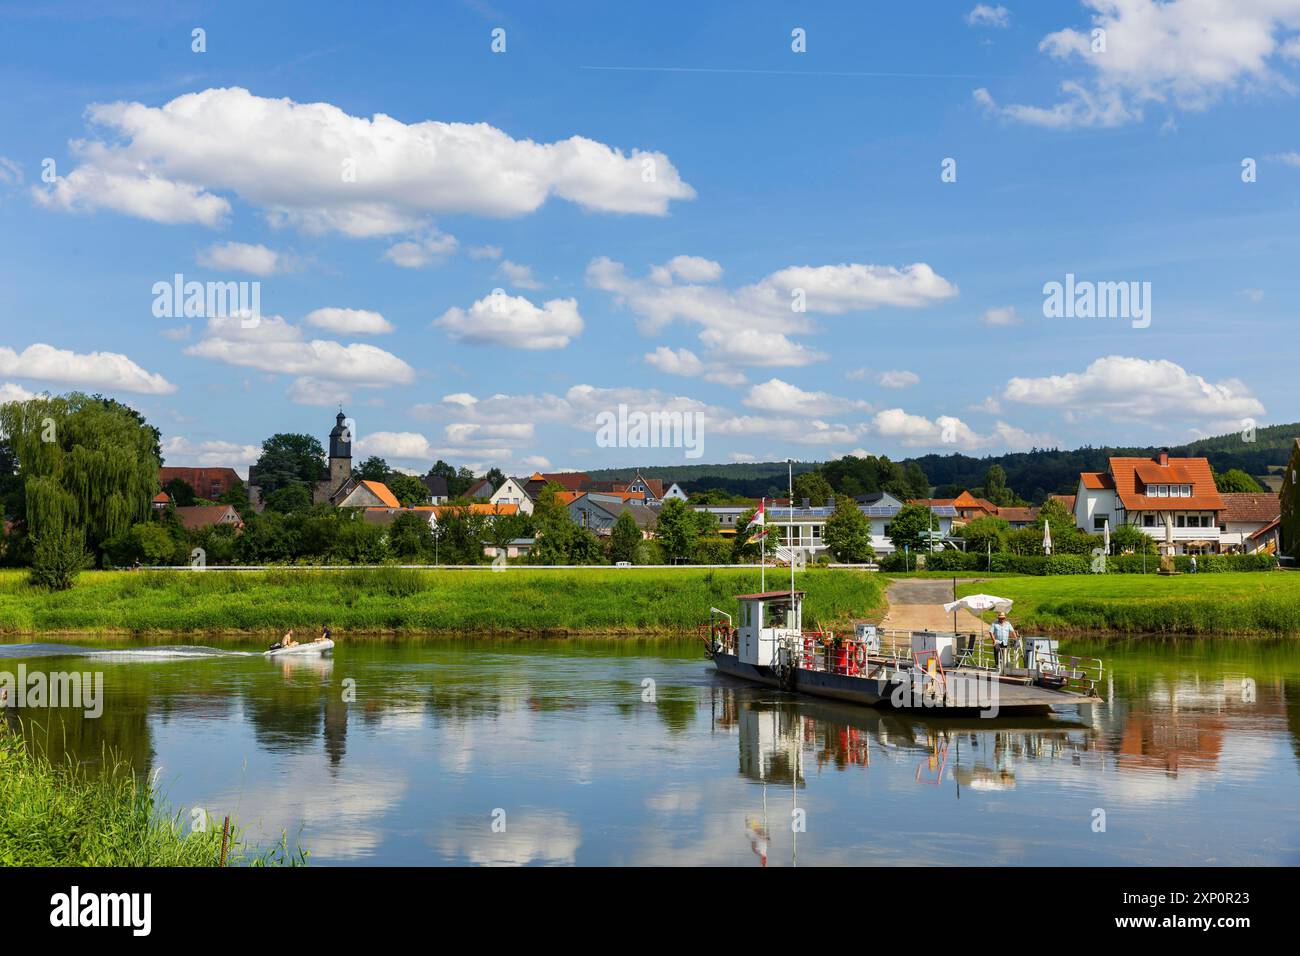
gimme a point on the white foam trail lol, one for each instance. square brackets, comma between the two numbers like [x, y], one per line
[170, 652]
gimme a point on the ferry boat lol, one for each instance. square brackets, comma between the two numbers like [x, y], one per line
[937, 672]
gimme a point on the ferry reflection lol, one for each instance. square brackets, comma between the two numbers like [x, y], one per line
[780, 736]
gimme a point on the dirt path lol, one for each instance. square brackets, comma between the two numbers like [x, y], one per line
[916, 604]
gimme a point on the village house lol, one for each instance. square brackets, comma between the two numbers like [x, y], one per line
[804, 526]
[727, 516]
[514, 548]
[512, 492]
[1245, 514]
[1164, 497]
[597, 512]
[436, 485]
[652, 489]
[196, 517]
[363, 493]
[481, 489]
[568, 480]
[1017, 517]
[966, 506]
[386, 515]
[209, 483]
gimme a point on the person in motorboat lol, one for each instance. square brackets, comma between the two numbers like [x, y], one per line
[1004, 633]
[286, 641]
[325, 634]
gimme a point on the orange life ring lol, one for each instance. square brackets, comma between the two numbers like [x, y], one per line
[860, 656]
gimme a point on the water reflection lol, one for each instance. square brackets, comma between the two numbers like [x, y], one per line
[400, 752]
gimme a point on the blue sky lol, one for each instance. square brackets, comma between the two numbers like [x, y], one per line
[776, 175]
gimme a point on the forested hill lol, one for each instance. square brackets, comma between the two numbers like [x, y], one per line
[1032, 474]
[748, 479]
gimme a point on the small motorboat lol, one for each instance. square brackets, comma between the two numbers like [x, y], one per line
[306, 647]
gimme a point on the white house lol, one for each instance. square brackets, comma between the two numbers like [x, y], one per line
[512, 492]
[805, 527]
[1244, 515]
[1162, 496]
[654, 490]
[728, 516]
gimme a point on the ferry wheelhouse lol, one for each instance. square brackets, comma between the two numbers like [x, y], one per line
[948, 672]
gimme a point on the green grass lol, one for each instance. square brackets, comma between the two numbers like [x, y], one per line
[395, 601]
[62, 815]
[1202, 604]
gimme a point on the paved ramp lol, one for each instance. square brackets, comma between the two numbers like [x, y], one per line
[916, 604]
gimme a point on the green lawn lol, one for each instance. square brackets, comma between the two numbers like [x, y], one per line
[1203, 604]
[394, 601]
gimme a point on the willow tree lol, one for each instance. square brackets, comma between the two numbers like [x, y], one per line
[89, 464]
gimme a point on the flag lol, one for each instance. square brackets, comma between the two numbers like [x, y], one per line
[759, 521]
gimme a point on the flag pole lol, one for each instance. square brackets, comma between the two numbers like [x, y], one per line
[790, 464]
[762, 557]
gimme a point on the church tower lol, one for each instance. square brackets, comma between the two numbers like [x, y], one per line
[340, 453]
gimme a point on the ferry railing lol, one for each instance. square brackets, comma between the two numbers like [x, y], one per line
[1080, 675]
[892, 653]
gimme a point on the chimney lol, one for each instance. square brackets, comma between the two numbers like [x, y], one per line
[1164, 456]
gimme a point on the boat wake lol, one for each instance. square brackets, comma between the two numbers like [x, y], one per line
[169, 652]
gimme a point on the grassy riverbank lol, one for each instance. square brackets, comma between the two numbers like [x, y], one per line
[1259, 603]
[54, 815]
[396, 601]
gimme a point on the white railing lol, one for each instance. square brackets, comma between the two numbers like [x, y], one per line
[1181, 534]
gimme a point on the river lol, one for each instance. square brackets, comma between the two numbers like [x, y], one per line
[610, 751]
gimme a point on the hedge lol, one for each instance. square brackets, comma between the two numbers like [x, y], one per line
[1038, 564]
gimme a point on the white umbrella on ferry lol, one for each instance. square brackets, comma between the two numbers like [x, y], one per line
[978, 602]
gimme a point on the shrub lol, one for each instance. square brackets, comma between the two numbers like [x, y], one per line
[1205, 563]
[58, 557]
[713, 550]
[1042, 564]
[649, 552]
[955, 561]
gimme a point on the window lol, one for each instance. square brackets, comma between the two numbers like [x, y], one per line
[1148, 521]
[1099, 522]
[1180, 521]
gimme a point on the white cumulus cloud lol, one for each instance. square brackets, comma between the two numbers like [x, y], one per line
[752, 324]
[774, 395]
[349, 321]
[317, 167]
[244, 257]
[1128, 387]
[107, 370]
[274, 345]
[514, 321]
[1180, 54]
